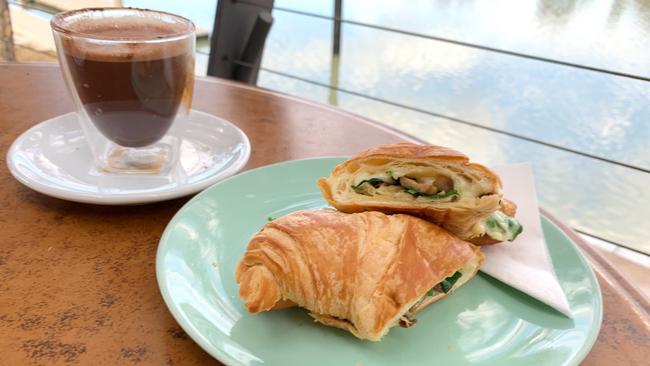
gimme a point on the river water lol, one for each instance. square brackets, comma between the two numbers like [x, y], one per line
[596, 113]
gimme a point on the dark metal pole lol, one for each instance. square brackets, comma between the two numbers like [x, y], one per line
[239, 31]
[336, 53]
[252, 53]
[336, 37]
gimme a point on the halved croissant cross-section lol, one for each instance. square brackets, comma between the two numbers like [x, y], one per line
[432, 182]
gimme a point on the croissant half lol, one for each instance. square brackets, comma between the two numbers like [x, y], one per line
[431, 182]
[363, 272]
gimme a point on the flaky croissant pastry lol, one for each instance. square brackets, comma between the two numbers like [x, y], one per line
[431, 182]
[363, 272]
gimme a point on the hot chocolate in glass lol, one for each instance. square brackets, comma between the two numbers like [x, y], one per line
[131, 73]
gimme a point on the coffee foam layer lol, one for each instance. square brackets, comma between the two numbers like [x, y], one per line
[127, 28]
[125, 38]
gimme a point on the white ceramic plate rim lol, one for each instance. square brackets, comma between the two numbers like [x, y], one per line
[128, 198]
[226, 359]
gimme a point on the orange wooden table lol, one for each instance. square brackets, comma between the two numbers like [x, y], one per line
[77, 281]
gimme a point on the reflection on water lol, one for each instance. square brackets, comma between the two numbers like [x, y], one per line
[597, 113]
[610, 34]
[583, 110]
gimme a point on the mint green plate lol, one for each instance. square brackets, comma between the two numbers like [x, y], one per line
[484, 323]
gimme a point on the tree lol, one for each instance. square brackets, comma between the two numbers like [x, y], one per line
[6, 34]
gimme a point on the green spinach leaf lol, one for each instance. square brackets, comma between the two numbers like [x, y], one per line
[375, 182]
[449, 282]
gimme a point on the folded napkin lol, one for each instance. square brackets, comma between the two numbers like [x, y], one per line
[525, 263]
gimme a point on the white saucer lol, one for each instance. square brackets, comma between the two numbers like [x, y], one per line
[53, 158]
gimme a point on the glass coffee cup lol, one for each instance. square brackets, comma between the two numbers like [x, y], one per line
[130, 73]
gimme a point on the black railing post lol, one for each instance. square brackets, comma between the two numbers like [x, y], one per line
[336, 53]
[239, 32]
[336, 36]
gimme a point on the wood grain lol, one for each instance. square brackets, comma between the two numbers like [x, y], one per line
[78, 282]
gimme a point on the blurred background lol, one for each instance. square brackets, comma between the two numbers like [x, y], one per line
[563, 84]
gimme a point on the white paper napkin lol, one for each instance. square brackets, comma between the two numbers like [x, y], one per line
[525, 263]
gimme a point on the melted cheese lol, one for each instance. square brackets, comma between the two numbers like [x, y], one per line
[469, 187]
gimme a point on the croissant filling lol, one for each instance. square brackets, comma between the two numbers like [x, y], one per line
[440, 187]
[426, 184]
[500, 226]
[448, 284]
[406, 322]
